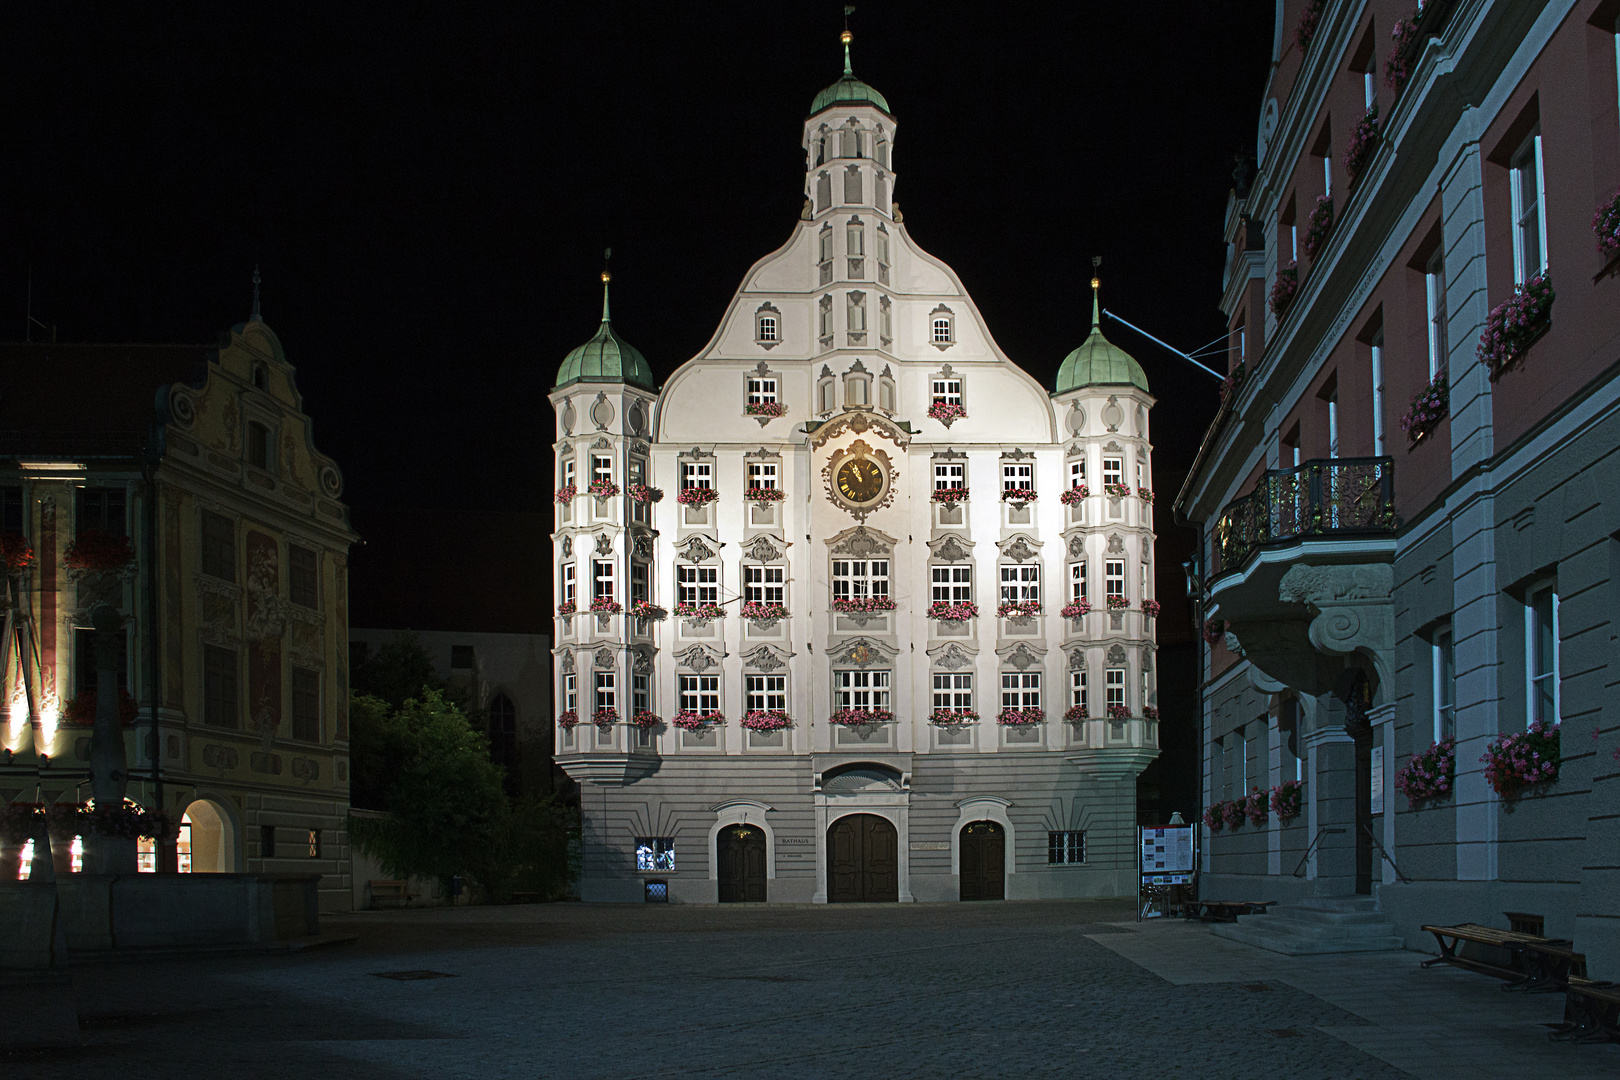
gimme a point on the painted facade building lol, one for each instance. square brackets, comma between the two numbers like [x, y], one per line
[852, 608]
[1410, 530]
[235, 604]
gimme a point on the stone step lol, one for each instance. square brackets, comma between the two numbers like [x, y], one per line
[1286, 923]
[1337, 903]
[1318, 917]
[1303, 945]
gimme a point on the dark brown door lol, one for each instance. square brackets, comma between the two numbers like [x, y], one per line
[863, 860]
[741, 852]
[984, 861]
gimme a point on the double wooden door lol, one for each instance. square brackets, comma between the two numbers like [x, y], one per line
[983, 861]
[863, 860]
[741, 854]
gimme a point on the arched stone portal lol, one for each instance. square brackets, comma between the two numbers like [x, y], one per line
[984, 861]
[740, 851]
[214, 845]
[863, 860]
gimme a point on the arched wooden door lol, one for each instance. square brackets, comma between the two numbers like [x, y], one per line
[740, 850]
[983, 861]
[863, 860]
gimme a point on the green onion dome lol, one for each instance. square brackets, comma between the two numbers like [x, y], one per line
[606, 358]
[848, 90]
[1098, 361]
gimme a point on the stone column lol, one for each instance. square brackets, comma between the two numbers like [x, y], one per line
[1332, 791]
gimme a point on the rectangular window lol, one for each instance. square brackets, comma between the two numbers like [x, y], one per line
[1288, 732]
[854, 578]
[762, 390]
[258, 445]
[764, 584]
[641, 693]
[568, 583]
[857, 312]
[219, 686]
[855, 239]
[602, 468]
[571, 692]
[697, 584]
[951, 584]
[1114, 577]
[763, 474]
[601, 579]
[1529, 223]
[1078, 590]
[306, 704]
[767, 692]
[218, 546]
[767, 329]
[882, 246]
[1066, 848]
[1113, 470]
[655, 853]
[1020, 583]
[1017, 476]
[568, 472]
[102, 509]
[1434, 285]
[1333, 424]
[942, 331]
[1020, 690]
[826, 244]
[861, 689]
[303, 576]
[1077, 472]
[953, 691]
[1541, 655]
[1377, 350]
[1078, 690]
[949, 476]
[606, 689]
[700, 693]
[1445, 685]
[639, 588]
[947, 391]
[697, 474]
[1114, 686]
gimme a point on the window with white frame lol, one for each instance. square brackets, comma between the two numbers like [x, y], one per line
[1078, 690]
[764, 584]
[854, 578]
[1144, 593]
[942, 333]
[700, 693]
[826, 244]
[826, 313]
[861, 689]
[762, 388]
[854, 240]
[639, 586]
[883, 246]
[1114, 577]
[766, 692]
[1020, 583]
[606, 695]
[1113, 470]
[763, 474]
[641, 693]
[953, 691]
[1077, 471]
[1333, 423]
[766, 328]
[952, 584]
[602, 579]
[697, 474]
[568, 472]
[1066, 848]
[1078, 589]
[1020, 689]
[947, 391]
[697, 584]
[1114, 686]
[602, 468]
[1376, 349]
[569, 590]
[1017, 476]
[1434, 286]
[1444, 652]
[570, 694]
[950, 475]
[1541, 655]
[1527, 182]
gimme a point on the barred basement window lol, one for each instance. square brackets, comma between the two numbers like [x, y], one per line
[1066, 848]
[267, 841]
[655, 853]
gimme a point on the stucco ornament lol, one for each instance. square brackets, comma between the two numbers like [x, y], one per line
[1353, 609]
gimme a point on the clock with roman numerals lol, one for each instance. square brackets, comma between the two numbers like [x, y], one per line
[860, 480]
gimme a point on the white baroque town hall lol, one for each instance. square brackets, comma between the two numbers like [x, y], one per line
[853, 608]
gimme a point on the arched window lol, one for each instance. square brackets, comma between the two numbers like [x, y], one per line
[823, 191]
[503, 731]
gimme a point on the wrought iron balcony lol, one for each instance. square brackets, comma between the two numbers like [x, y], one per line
[1321, 498]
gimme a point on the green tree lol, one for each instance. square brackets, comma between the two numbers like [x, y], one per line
[402, 669]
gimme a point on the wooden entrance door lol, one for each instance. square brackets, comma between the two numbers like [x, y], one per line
[983, 861]
[863, 860]
[740, 850]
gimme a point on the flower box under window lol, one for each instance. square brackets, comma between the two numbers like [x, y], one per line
[697, 496]
[566, 493]
[952, 610]
[1283, 290]
[765, 408]
[766, 720]
[1606, 227]
[646, 609]
[1015, 494]
[1077, 713]
[861, 717]
[950, 495]
[1079, 609]
[1287, 800]
[692, 720]
[763, 612]
[1520, 760]
[764, 494]
[861, 605]
[641, 493]
[1516, 323]
[1150, 607]
[606, 605]
[1320, 225]
[1431, 405]
[603, 489]
[945, 412]
[645, 719]
[953, 717]
[1014, 717]
[568, 720]
[1074, 495]
[1118, 603]
[1117, 491]
[1018, 609]
[1363, 144]
[700, 612]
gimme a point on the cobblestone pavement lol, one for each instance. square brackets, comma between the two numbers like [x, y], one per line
[1024, 990]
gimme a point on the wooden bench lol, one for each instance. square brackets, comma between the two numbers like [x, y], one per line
[1226, 910]
[390, 890]
[1591, 1012]
[1545, 962]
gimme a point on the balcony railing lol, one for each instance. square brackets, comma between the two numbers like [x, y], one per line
[1320, 498]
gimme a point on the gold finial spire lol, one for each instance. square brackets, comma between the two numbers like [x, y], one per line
[606, 277]
[1096, 287]
[846, 37]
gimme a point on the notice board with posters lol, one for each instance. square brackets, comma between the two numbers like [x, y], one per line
[1169, 858]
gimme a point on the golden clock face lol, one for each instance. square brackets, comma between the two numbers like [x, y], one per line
[860, 480]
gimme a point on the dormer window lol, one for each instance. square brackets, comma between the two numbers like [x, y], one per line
[258, 445]
[941, 327]
[767, 326]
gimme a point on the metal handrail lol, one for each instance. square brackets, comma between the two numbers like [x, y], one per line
[1326, 830]
[1320, 497]
[1402, 878]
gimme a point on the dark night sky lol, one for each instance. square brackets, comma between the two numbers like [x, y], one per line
[428, 189]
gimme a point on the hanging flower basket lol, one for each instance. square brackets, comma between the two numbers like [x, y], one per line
[1522, 759]
[1287, 799]
[692, 720]
[1145, 494]
[1118, 603]
[80, 710]
[1403, 52]
[605, 718]
[1215, 817]
[766, 720]
[950, 495]
[645, 720]
[762, 612]
[1117, 491]
[860, 717]
[565, 609]
[952, 611]
[700, 612]
[19, 554]
[1606, 227]
[603, 489]
[1430, 775]
[1014, 494]
[1257, 807]
[763, 494]
[1320, 225]
[1020, 717]
[764, 408]
[606, 605]
[1233, 811]
[568, 720]
[1150, 607]
[97, 552]
[945, 412]
[697, 496]
[1310, 15]
[19, 820]
[1018, 609]
[1431, 405]
[1118, 712]
[1284, 288]
[1077, 610]
[953, 717]
[641, 493]
[1150, 712]
[1363, 144]
[1077, 713]
[1515, 324]
[646, 609]
[1234, 378]
[565, 494]
[862, 605]
[1074, 495]
[1214, 630]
